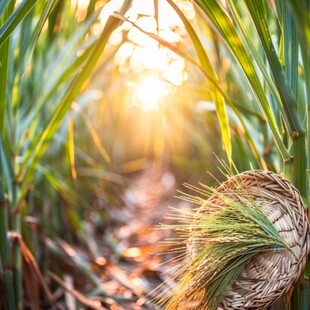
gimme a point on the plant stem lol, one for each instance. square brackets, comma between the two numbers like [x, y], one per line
[6, 268]
[299, 170]
[6, 273]
[18, 284]
[308, 158]
[16, 228]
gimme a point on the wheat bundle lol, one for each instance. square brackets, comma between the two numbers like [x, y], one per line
[247, 245]
[268, 276]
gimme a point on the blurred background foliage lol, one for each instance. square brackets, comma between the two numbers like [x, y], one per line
[102, 113]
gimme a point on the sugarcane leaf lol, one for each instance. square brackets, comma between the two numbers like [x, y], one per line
[94, 135]
[250, 46]
[287, 97]
[207, 66]
[49, 6]
[35, 153]
[3, 4]
[4, 71]
[63, 187]
[6, 171]
[15, 19]
[302, 20]
[226, 28]
[70, 145]
[68, 71]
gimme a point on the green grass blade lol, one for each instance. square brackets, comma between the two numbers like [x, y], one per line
[91, 8]
[224, 25]
[250, 46]
[15, 19]
[4, 70]
[207, 66]
[3, 4]
[7, 280]
[290, 49]
[68, 73]
[302, 20]
[287, 97]
[4, 244]
[63, 187]
[291, 63]
[48, 8]
[6, 273]
[34, 154]
[93, 133]
[70, 146]
[6, 171]
[63, 78]
[53, 20]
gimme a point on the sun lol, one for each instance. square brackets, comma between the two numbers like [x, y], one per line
[156, 70]
[149, 92]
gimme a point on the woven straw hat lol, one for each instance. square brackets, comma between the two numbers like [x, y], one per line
[270, 275]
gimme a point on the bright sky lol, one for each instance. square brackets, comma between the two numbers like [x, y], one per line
[157, 69]
[154, 71]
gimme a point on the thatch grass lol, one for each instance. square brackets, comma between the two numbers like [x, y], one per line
[243, 221]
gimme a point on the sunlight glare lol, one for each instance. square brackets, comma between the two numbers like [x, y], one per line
[175, 72]
[155, 68]
[149, 91]
[108, 10]
[80, 6]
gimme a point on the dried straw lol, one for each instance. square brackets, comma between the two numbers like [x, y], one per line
[243, 248]
[270, 275]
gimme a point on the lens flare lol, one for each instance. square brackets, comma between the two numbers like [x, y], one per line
[149, 92]
[142, 59]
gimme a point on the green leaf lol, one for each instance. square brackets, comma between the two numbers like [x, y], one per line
[208, 67]
[250, 46]
[54, 86]
[94, 135]
[6, 169]
[287, 97]
[48, 8]
[70, 145]
[224, 25]
[4, 64]
[3, 4]
[15, 19]
[302, 20]
[63, 187]
[35, 153]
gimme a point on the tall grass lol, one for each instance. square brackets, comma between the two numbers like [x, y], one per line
[255, 59]
[267, 44]
[47, 57]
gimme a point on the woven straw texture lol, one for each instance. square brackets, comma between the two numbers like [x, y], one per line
[268, 276]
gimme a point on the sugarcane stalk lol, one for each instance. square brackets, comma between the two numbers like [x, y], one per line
[6, 272]
[18, 283]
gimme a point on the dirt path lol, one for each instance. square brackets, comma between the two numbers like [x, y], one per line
[135, 265]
